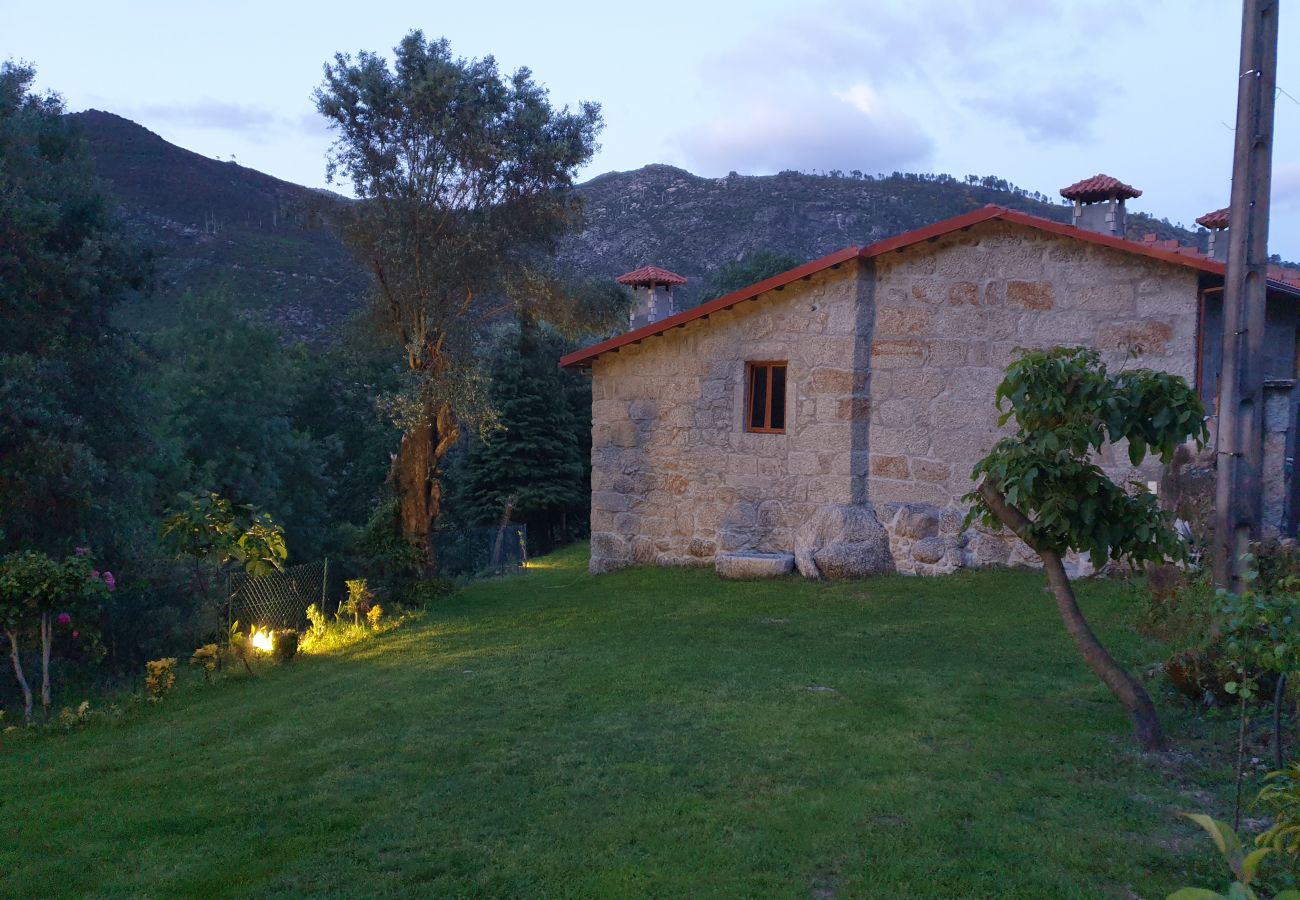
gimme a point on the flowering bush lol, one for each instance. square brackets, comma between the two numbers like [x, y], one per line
[374, 614]
[160, 677]
[38, 592]
[209, 657]
[360, 598]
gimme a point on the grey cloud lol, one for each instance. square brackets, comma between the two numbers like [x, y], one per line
[805, 134]
[1064, 112]
[215, 114]
[1286, 186]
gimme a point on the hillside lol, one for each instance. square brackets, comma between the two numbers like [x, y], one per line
[219, 224]
[664, 216]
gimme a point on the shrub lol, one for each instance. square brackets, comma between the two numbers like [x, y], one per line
[374, 615]
[284, 645]
[209, 658]
[160, 677]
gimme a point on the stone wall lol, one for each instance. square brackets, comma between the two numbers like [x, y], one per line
[892, 370]
[950, 316]
[675, 477]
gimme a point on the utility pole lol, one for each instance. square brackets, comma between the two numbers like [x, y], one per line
[1240, 432]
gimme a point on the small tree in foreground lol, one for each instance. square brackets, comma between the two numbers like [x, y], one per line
[1043, 484]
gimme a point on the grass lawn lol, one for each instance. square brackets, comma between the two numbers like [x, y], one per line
[647, 733]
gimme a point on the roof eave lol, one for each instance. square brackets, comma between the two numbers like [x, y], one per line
[581, 359]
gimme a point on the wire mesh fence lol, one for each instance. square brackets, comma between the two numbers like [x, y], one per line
[279, 600]
[482, 551]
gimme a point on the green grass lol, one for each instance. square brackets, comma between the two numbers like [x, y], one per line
[650, 732]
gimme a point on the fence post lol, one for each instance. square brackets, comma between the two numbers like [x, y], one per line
[324, 583]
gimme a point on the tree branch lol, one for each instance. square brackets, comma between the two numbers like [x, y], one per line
[1007, 514]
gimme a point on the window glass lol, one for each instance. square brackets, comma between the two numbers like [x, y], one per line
[778, 397]
[757, 397]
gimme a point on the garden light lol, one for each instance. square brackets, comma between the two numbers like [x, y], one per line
[261, 639]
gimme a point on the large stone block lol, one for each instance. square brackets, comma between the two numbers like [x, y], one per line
[1148, 336]
[750, 566]
[1030, 294]
[843, 541]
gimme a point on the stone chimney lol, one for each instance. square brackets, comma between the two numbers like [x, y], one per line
[653, 289]
[1217, 222]
[1099, 204]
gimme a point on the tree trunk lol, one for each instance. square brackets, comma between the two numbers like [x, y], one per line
[416, 477]
[47, 638]
[18, 670]
[1129, 692]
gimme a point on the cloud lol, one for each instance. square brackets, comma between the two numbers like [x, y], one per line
[848, 129]
[219, 115]
[1063, 112]
[1285, 194]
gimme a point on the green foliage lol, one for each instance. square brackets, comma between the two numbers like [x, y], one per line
[208, 528]
[317, 623]
[534, 467]
[1280, 797]
[1066, 407]
[464, 179]
[1244, 866]
[751, 269]
[359, 599]
[1259, 631]
[68, 428]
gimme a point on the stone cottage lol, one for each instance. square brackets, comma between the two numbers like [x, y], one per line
[830, 416]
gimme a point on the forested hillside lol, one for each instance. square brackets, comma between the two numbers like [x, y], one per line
[220, 222]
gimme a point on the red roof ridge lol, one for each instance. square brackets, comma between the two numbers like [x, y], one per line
[1182, 256]
[1099, 187]
[1216, 219]
[650, 275]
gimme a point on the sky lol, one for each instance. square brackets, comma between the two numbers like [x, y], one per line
[1040, 92]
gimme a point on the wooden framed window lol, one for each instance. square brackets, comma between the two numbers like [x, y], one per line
[765, 397]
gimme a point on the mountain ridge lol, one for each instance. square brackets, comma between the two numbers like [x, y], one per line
[222, 226]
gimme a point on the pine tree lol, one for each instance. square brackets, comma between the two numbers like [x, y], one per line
[532, 469]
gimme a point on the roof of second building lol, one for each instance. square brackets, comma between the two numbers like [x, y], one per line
[1216, 219]
[1099, 187]
[650, 275]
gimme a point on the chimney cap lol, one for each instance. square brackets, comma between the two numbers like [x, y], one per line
[1215, 220]
[650, 275]
[1099, 187]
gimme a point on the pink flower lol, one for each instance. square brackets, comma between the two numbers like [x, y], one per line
[76, 634]
[110, 582]
[65, 619]
[94, 573]
[82, 551]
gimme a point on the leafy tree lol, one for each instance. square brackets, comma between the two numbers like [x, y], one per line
[1043, 483]
[462, 176]
[534, 467]
[229, 394]
[751, 269]
[215, 535]
[36, 593]
[68, 432]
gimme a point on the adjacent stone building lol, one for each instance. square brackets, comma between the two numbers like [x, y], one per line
[832, 414]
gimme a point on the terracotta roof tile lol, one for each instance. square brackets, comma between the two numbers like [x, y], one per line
[1099, 187]
[1216, 219]
[650, 275]
[1167, 251]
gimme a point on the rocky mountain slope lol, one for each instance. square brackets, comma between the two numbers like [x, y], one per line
[221, 226]
[224, 227]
